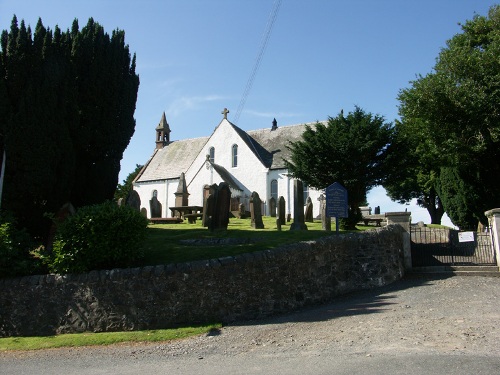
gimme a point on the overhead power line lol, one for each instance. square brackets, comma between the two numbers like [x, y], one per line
[263, 44]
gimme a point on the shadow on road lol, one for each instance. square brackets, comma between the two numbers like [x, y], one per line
[363, 302]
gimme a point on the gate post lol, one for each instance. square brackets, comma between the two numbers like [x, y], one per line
[494, 222]
[403, 219]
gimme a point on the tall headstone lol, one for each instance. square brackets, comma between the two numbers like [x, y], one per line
[256, 211]
[272, 207]
[222, 205]
[181, 195]
[208, 203]
[308, 215]
[326, 221]
[298, 206]
[133, 200]
[281, 210]
[155, 207]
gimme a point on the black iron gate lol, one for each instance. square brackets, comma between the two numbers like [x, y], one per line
[448, 247]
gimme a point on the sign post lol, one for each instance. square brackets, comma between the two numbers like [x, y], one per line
[336, 203]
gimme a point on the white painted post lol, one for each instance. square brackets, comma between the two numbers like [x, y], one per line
[494, 222]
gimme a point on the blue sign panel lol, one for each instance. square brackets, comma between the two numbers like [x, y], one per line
[336, 201]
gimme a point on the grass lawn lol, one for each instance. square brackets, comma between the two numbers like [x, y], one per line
[164, 243]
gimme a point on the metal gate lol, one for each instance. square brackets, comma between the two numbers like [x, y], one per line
[448, 247]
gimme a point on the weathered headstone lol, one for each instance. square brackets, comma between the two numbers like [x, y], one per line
[241, 211]
[133, 200]
[181, 195]
[154, 207]
[256, 211]
[298, 206]
[272, 207]
[281, 210]
[326, 221]
[121, 202]
[278, 224]
[144, 212]
[377, 210]
[308, 215]
[220, 217]
[208, 203]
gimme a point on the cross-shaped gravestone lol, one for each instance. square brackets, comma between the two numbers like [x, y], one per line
[225, 111]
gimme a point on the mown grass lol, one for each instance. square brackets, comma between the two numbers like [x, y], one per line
[105, 338]
[164, 242]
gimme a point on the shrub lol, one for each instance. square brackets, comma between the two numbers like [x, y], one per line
[16, 244]
[101, 236]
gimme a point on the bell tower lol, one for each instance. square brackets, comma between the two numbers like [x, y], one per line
[162, 133]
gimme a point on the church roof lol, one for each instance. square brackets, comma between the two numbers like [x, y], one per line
[173, 159]
[268, 145]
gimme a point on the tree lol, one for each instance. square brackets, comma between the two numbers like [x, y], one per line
[349, 150]
[124, 189]
[412, 173]
[68, 100]
[457, 107]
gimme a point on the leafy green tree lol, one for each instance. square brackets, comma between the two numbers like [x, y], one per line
[412, 173]
[457, 107]
[67, 100]
[122, 190]
[349, 150]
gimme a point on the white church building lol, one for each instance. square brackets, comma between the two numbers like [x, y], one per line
[247, 161]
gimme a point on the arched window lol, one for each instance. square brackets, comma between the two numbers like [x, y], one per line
[274, 190]
[234, 155]
[306, 192]
[211, 152]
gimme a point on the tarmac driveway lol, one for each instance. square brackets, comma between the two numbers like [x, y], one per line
[419, 325]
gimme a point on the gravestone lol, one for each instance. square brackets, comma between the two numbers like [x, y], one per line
[377, 210]
[256, 211]
[336, 203]
[308, 215]
[181, 195]
[241, 211]
[121, 202]
[144, 212]
[222, 205]
[208, 203]
[281, 210]
[298, 206]
[278, 224]
[133, 200]
[154, 207]
[326, 221]
[272, 207]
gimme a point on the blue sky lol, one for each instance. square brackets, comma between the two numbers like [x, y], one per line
[194, 57]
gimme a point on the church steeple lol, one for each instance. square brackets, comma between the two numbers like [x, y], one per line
[162, 133]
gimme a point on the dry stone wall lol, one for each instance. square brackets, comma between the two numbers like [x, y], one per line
[243, 287]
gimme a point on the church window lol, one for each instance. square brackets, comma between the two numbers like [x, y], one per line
[234, 155]
[306, 192]
[274, 190]
[211, 152]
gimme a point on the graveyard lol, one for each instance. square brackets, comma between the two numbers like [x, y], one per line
[186, 242]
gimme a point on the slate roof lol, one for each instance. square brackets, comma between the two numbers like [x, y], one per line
[170, 161]
[268, 145]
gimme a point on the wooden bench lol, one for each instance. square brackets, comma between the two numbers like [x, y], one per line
[192, 217]
[165, 220]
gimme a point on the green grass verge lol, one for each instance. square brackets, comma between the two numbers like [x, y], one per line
[104, 338]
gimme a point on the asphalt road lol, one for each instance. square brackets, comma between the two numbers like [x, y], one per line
[420, 325]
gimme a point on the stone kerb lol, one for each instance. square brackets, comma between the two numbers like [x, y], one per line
[247, 286]
[494, 223]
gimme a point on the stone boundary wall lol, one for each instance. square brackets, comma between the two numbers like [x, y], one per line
[244, 287]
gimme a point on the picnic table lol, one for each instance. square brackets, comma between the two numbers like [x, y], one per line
[187, 212]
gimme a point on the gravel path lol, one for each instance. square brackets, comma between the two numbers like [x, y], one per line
[430, 317]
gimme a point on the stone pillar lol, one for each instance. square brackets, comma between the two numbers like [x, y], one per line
[494, 223]
[298, 206]
[404, 220]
